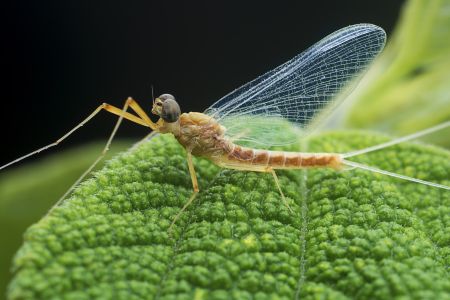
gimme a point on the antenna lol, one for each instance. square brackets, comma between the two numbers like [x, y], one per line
[153, 96]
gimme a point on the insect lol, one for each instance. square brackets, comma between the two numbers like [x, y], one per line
[298, 90]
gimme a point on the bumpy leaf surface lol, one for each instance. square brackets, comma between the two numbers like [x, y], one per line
[353, 234]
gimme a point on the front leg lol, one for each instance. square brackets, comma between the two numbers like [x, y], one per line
[194, 186]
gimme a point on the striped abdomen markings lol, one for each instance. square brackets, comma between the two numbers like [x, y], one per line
[282, 159]
[312, 160]
[239, 153]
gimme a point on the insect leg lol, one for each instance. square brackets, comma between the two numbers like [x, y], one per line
[192, 172]
[141, 113]
[105, 106]
[277, 182]
[105, 149]
[194, 185]
[144, 118]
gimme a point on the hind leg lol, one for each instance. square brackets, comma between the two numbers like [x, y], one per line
[277, 182]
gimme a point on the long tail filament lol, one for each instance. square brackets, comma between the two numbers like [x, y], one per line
[376, 170]
[391, 143]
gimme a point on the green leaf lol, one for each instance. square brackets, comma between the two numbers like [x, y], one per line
[353, 234]
[407, 89]
[27, 192]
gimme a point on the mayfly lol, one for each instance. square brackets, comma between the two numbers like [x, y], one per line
[297, 90]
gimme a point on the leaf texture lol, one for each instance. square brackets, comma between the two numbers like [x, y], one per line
[353, 234]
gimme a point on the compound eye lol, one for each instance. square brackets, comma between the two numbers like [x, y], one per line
[164, 97]
[170, 110]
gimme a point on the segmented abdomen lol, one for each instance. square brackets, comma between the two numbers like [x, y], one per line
[256, 158]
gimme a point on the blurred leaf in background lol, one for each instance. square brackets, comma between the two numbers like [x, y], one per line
[408, 87]
[28, 192]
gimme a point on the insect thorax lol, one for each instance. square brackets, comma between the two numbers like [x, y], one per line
[201, 135]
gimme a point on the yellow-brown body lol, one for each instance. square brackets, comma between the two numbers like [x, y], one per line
[203, 136]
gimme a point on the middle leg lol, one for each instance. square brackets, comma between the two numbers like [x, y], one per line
[194, 185]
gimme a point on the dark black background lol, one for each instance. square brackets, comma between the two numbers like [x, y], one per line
[60, 59]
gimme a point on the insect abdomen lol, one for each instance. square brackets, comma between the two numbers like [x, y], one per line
[261, 159]
[311, 160]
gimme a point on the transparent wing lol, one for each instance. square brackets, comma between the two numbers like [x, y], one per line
[300, 88]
